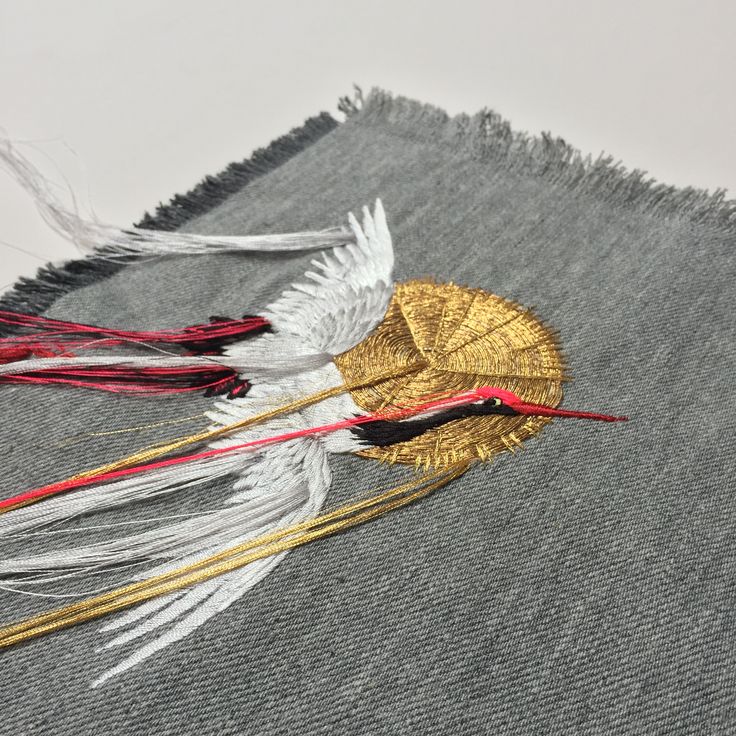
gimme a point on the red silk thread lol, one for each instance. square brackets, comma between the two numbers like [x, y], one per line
[77, 334]
[482, 393]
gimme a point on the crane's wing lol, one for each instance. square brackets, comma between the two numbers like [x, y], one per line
[274, 488]
[335, 308]
[287, 485]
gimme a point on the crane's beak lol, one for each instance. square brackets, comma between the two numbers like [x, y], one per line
[522, 407]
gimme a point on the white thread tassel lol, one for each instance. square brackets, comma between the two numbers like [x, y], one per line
[92, 234]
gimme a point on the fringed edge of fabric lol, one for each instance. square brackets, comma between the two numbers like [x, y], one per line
[488, 137]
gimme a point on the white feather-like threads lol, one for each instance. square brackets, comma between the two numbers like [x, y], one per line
[32, 365]
[91, 234]
[336, 306]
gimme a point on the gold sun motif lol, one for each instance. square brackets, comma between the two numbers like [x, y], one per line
[443, 339]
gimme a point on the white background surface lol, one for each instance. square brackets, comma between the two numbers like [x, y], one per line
[152, 95]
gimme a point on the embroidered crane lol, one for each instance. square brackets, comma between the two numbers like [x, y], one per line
[434, 375]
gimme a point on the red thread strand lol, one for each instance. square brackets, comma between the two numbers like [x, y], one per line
[485, 392]
[58, 338]
[121, 379]
[68, 485]
[67, 336]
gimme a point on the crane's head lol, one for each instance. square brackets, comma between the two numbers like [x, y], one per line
[499, 401]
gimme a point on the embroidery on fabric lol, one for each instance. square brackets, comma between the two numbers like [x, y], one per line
[438, 376]
[456, 339]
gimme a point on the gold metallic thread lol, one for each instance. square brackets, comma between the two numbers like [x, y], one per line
[465, 338]
[75, 438]
[236, 557]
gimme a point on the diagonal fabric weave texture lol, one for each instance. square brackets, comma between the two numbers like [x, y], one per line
[585, 585]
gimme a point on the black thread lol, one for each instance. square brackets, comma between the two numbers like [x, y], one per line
[383, 433]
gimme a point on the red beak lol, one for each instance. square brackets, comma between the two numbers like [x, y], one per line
[522, 407]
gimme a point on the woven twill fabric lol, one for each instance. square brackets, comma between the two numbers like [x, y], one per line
[584, 585]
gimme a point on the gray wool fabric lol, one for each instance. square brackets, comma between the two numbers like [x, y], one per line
[582, 586]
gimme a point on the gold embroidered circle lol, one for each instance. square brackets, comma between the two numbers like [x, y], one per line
[445, 339]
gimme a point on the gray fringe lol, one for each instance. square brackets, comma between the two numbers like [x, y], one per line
[488, 137]
[35, 295]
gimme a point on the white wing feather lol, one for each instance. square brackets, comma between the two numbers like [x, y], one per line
[296, 472]
[337, 307]
[275, 487]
